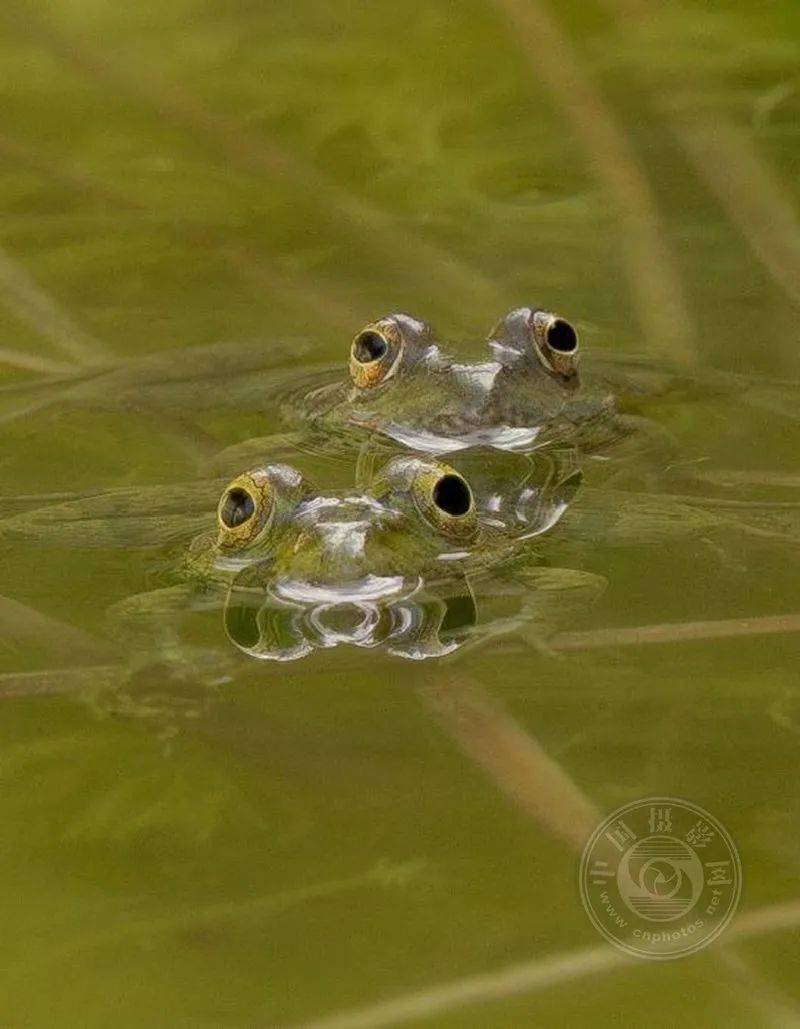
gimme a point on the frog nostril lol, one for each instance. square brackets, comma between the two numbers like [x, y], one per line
[237, 508]
[452, 495]
[369, 346]
[561, 336]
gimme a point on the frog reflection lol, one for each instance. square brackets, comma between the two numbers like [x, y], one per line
[287, 621]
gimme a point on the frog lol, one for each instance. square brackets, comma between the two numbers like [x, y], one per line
[297, 569]
[519, 568]
[407, 388]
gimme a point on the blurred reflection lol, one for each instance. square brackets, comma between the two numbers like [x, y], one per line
[409, 619]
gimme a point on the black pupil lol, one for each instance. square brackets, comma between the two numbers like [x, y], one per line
[562, 337]
[237, 508]
[369, 346]
[452, 495]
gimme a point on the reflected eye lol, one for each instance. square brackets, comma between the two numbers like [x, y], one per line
[237, 507]
[269, 631]
[375, 353]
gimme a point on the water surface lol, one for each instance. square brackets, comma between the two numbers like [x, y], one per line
[319, 837]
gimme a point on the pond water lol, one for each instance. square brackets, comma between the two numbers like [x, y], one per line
[353, 839]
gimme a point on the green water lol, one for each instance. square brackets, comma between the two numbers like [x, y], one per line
[321, 837]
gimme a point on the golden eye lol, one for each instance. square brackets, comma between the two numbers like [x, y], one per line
[561, 337]
[375, 353]
[452, 495]
[245, 509]
[237, 507]
[369, 346]
[556, 342]
[445, 500]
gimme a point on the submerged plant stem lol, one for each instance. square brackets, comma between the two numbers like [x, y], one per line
[55, 682]
[34, 362]
[529, 976]
[652, 274]
[462, 711]
[483, 729]
[676, 632]
[726, 159]
[20, 624]
[26, 300]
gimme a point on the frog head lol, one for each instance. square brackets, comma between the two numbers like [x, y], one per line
[360, 568]
[257, 507]
[416, 511]
[405, 388]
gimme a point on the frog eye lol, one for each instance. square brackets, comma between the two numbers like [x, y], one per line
[255, 501]
[369, 346]
[435, 490]
[556, 343]
[561, 337]
[445, 500]
[237, 507]
[244, 510]
[452, 495]
[375, 354]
